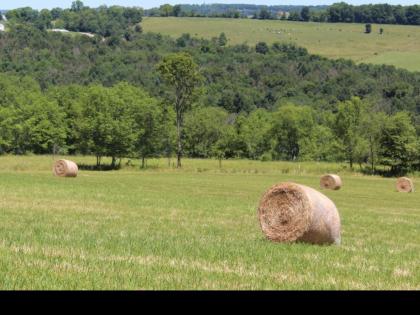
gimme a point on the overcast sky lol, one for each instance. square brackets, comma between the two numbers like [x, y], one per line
[48, 4]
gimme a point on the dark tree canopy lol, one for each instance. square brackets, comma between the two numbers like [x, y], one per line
[81, 95]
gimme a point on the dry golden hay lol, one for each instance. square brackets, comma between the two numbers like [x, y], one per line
[331, 181]
[65, 168]
[404, 184]
[291, 212]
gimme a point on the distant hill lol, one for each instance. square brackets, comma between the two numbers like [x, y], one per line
[243, 9]
[398, 45]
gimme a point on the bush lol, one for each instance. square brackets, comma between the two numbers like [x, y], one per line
[261, 48]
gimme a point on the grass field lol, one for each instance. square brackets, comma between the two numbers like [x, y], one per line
[195, 228]
[399, 45]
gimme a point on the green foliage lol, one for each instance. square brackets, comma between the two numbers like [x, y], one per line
[181, 73]
[176, 10]
[107, 124]
[115, 20]
[291, 130]
[236, 78]
[282, 104]
[222, 40]
[374, 13]
[261, 48]
[339, 40]
[166, 10]
[305, 14]
[106, 21]
[203, 128]
[349, 133]
[253, 133]
[121, 121]
[372, 125]
[265, 14]
[399, 144]
[29, 122]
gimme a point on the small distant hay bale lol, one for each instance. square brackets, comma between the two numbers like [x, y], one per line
[331, 181]
[291, 212]
[405, 184]
[65, 168]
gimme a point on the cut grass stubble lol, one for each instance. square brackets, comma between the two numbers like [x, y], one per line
[171, 229]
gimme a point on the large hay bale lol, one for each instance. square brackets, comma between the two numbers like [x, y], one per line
[65, 168]
[291, 212]
[404, 184]
[331, 181]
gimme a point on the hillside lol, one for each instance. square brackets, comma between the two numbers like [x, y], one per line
[271, 102]
[399, 45]
[242, 9]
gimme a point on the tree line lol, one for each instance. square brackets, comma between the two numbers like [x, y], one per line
[222, 10]
[238, 78]
[340, 12]
[104, 21]
[268, 102]
[125, 121]
[374, 13]
[117, 20]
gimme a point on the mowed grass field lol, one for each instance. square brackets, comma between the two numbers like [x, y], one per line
[195, 228]
[399, 45]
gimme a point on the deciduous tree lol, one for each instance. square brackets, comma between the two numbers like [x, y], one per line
[181, 73]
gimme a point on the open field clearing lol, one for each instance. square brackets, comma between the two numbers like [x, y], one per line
[399, 45]
[195, 228]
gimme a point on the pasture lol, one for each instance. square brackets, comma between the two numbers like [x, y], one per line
[399, 45]
[195, 228]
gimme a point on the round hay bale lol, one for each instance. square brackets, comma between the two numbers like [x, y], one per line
[331, 181]
[404, 184]
[65, 168]
[291, 212]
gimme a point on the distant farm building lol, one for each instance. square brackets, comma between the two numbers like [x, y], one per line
[283, 14]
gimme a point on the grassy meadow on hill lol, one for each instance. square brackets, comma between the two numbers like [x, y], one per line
[195, 228]
[399, 45]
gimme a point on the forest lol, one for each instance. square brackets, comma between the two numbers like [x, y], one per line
[115, 19]
[105, 21]
[339, 12]
[105, 96]
[223, 10]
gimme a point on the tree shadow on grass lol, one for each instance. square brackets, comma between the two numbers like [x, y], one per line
[106, 167]
[385, 172]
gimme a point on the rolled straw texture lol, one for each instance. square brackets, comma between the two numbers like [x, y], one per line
[291, 212]
[405, 184]
[331, 181]
[65, 168]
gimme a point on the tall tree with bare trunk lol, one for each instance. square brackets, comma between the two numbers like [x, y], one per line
[181, 73]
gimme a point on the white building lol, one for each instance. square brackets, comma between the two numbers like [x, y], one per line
[1, 27]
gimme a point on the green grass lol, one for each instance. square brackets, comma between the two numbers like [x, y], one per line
[407, 60]
[194, 228]
[332, 40]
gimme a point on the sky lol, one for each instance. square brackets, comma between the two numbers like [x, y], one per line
[146, 4]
